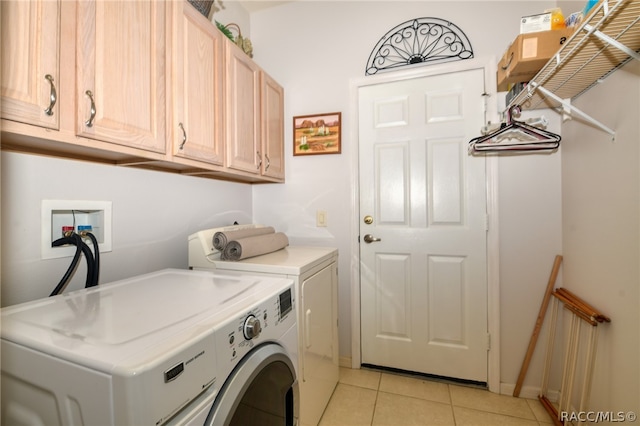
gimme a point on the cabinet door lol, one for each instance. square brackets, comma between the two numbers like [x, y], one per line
[30, 35]
[197, 127]
[243, 111]
[121, 73]
[272, 128]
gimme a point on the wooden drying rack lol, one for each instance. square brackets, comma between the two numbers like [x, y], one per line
[581, 313]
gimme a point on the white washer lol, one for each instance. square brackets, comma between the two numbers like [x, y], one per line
[314, 271]
[171, 347]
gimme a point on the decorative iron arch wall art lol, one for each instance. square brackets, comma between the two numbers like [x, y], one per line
[419, 41]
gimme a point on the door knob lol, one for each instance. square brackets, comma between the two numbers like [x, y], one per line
[370, 239]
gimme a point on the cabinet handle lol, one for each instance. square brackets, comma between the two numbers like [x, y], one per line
[259, 159]
[89, 122]
[184, 136]
[268, 162]
[53, 97]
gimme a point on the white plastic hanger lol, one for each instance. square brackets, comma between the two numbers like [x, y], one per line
[515, 136]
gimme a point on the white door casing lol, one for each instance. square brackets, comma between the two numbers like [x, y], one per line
[424, 284]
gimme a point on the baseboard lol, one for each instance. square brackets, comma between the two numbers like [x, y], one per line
[345, 361]
[528, 392]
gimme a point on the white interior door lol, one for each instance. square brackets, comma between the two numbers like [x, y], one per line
[424, 281]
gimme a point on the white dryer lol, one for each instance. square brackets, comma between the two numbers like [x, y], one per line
[314, 271]
[172, 347]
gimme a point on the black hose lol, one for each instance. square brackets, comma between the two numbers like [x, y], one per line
[96, 257]
[91, 264]
[81, 246]
[72, 267]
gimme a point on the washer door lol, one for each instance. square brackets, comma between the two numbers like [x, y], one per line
[261, 391]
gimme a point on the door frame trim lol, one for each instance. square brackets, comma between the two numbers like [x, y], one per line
[488, 64]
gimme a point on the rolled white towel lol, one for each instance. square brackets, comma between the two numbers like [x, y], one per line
[221, 239]
[254, 246]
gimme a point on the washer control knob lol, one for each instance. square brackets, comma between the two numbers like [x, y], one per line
[252, 327]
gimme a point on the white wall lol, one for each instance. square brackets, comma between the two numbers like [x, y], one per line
[315, 49]
[153, 214]
[601, 228]
[233, 12]
[530, 238]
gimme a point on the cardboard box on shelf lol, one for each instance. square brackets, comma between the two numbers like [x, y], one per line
[528, 54]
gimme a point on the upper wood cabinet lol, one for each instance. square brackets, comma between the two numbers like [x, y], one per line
[272, 128]
[139, 83]
[121, 79]
[243, 121]
[196, 64]
[30, 34]
[254, 117]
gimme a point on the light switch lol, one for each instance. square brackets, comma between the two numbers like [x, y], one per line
[321, 218]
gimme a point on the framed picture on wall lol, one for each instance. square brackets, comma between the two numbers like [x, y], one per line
[317, 134]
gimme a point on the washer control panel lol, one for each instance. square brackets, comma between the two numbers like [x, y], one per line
[265, 321]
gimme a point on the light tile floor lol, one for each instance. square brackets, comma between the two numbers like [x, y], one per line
[369, 397]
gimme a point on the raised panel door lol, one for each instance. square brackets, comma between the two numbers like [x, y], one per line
[243, 120]
[273, 128]
[29, 62]
[197, 127]
[121, 77]
[423, 253]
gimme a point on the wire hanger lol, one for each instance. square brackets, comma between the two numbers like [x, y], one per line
[515, 136]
